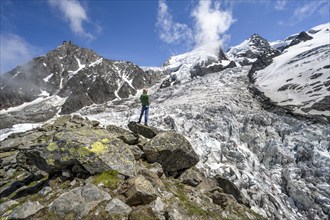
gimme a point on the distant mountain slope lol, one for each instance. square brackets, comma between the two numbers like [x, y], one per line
[299, 79]
[75, 77]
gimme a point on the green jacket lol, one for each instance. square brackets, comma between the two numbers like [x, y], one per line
[144, 99]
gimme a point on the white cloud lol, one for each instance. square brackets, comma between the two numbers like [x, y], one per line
[75, 14]
[280, 4]
[169, 31]
[307, 10]
[14, 51]
[211, 23]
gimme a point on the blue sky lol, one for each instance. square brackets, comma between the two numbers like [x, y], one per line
[150, 31]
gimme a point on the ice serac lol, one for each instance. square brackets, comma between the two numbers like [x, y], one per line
[299, 79]
[198, 62]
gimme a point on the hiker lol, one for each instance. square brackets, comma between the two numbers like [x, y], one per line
[145, 106]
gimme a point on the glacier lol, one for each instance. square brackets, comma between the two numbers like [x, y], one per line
[281, 164]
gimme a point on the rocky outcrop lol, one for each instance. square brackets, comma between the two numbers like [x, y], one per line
[301, 37]
[261, 63]
[209, 67]
[74, 169]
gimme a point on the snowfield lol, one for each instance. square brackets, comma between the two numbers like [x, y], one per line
[300, 76]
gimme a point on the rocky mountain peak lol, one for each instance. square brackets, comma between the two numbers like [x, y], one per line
[259, 41]
[250, 50]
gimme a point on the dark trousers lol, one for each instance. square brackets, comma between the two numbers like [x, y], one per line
[145, 110]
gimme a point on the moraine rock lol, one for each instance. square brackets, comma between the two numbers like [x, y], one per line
[72, 149]
[145, 131]
[172, 151]
[230, 188]
[118, 208]
[6, 205]
[138, 191]
[25, 210]
[79, 201]
[191, 177]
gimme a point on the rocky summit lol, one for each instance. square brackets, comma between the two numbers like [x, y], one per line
[74, 169]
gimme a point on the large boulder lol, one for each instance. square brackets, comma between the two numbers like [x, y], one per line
[95, 150]
[77, 145]
[172, 150]
[145, 131]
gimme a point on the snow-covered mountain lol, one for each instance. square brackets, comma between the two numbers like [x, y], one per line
[198, 62]
[249, 50]
[65, 80]
[299, 78]
[280, 163]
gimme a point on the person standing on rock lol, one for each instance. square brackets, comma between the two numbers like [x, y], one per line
[144, 98]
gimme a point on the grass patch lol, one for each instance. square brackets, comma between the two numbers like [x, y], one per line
[108, 178]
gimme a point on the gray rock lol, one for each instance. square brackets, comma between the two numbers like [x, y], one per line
[79, 201]
[173, 214]
[86, 150]
[44, 191]
[191, 177]
[137, 152]
[113, 129]
[6, 205]
[158, 206]
[131, 139]
[138, 191]
[230, 188]
[25, 210]
[118, 207]
[156, 168]
[145, 131]
[173, 151]
[24, 141]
